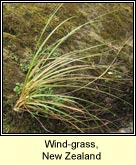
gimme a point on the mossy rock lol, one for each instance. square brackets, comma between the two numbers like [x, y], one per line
[22, 24]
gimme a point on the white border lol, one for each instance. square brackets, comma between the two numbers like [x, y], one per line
[2, 68]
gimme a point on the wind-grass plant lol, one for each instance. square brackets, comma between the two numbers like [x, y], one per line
[43, 92]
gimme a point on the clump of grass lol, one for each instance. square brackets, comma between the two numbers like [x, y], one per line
[47, 73]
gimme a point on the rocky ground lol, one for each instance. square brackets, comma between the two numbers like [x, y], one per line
[22, 24]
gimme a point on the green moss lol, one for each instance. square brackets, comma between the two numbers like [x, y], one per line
[119, 25]
[22, 24]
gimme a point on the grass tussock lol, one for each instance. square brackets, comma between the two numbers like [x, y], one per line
[53, 79]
